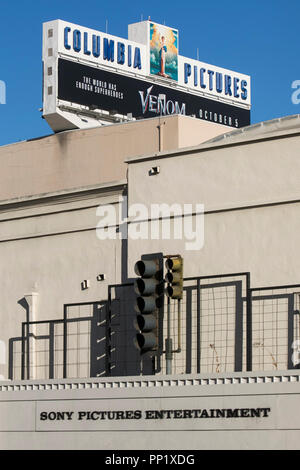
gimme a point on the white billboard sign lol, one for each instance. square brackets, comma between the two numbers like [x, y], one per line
[150, 54]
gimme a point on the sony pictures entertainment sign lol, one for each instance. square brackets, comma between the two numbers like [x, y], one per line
[90, 75]
[139, 414]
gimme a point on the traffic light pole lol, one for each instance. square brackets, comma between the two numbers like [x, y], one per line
[169, 352]
[179, 327]
[169, 349]
[174, 290]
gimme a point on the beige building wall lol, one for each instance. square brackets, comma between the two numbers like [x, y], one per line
[51, 189]
[248, 185]
[247, 181]
[264, 406]
[75, 159]
[48, 249]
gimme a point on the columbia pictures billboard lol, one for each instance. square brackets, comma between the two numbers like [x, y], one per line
[100, 89]
[93, 74]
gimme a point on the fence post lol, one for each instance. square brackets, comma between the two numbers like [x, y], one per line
[65, 343]
[249, 325]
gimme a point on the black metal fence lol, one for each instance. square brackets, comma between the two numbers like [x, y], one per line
[275, 331]
[224, 324]
[73, 346]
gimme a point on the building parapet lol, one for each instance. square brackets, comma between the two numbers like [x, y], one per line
[151, 382]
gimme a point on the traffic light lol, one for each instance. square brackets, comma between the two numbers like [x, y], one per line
[149, 287]
[174, 277]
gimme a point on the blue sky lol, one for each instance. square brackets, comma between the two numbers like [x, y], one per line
[259, 38]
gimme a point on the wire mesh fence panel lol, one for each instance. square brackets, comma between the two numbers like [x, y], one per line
[221, 325]
[207, 335]
[78, 344]
[39, 357]
[61, 348]
[36, 351]
[217, 320]
[57, 350]
[178, 334]
[274, 328]
[84, 337]
[78, 348]
[269, 334]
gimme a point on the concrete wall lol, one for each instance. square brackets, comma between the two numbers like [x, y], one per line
[248, 184]
[50, 191]
[256, 412]
[250, 194]
[49, 247]
[80, 158]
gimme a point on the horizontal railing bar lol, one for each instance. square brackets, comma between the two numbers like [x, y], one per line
[213, 276]
[291, 286]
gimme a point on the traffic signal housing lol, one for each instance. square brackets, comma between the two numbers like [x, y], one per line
[174, 277]
[149, 287]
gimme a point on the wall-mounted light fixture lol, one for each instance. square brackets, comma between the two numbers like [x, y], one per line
[154, 170]
[85, 284]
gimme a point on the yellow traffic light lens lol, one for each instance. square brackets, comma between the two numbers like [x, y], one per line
[174, 264]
